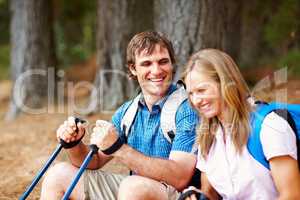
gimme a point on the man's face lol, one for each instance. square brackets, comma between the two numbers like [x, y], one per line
[153, 71]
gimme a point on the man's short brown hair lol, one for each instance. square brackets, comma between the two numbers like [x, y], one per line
[147, 40]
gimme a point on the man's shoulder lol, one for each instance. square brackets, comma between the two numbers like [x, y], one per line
[123, 108]
[186, 108]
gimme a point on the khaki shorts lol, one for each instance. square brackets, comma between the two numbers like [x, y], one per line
[101, 185]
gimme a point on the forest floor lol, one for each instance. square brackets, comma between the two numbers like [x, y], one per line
[27, 142]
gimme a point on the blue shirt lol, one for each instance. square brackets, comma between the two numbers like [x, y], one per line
[146, 135]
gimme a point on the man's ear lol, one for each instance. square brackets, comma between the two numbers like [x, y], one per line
[132, 69]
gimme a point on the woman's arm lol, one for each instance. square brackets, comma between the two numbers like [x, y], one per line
[207, 189]
[286, 175]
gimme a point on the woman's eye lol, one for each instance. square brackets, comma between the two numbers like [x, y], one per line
[200, 90]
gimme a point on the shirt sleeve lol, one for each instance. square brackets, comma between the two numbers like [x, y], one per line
[117, 118]
[277, 137]
[186, 123]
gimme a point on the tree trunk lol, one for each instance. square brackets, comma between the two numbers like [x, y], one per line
[232, 40]
[196, 24]
[252, 36]
[32, 53]
[118, 21]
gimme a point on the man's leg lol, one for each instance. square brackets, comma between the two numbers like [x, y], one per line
[100, 185]
[57, 181]
[142, 188]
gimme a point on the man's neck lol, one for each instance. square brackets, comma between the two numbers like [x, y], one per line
[150, 100]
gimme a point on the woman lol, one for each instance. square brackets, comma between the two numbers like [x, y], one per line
[219, 93]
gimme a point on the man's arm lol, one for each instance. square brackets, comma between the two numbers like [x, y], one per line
[78, 153]
[175, 171]
[285, 172]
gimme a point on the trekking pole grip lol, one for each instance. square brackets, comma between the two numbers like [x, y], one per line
[68, 145]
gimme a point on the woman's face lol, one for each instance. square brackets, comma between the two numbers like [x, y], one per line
[204, 93]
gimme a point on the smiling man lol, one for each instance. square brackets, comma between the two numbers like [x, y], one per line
[161, 164]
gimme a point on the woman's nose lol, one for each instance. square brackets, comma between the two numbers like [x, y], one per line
[196, 99]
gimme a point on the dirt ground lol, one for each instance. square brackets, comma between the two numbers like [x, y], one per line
[25, 146]
[27, 142]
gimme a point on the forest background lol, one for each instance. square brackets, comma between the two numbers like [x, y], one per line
[63, 57]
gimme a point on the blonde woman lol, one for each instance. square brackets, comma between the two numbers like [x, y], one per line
[219, 93]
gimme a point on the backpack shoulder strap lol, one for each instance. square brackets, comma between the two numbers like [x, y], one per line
[254, 144]
[129, 116]
[168, 113]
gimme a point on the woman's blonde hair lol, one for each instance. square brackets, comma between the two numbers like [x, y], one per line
[234, 91]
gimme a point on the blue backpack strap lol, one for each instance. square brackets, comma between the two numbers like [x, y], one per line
[254, 144]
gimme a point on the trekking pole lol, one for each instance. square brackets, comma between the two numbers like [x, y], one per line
[93, 150]
[61, 145]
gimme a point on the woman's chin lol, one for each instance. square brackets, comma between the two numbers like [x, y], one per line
[208, 115]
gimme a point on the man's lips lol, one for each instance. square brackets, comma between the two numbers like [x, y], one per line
[157, 79]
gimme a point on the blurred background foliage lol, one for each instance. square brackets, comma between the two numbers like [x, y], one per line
[282, 35]
[74, 29]
[4, 39]
[75, 26]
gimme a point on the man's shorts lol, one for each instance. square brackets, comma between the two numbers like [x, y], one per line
[101, 185]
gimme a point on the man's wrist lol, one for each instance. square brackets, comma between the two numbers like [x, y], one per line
[122, 151]
[114, 147]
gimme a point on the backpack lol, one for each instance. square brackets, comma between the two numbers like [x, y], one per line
[290, 112]
[167, 117]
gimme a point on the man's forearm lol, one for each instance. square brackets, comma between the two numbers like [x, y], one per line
[78, 153]
[168, 171]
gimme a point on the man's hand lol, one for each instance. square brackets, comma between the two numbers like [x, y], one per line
[69, 131]
[104, 135]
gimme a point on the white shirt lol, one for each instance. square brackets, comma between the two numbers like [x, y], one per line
[239, 176]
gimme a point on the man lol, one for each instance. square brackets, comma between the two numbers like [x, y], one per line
[160, 169]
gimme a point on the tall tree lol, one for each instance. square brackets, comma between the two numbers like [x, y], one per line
[196, 24]
[118, 21]
[254, 17]
[32, 53]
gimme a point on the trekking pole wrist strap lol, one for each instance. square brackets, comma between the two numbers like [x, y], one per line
[68, 145]
[113, 148]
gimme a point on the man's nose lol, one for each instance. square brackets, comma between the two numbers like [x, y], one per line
[156, 68]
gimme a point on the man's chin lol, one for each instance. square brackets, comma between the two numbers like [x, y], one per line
[158, 92]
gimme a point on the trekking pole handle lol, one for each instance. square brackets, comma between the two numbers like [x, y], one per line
[68, 145]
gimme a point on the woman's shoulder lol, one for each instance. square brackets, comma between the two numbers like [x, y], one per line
[277, 137]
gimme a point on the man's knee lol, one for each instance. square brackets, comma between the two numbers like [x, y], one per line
[60, 172]
[138, 187]
[59, 177]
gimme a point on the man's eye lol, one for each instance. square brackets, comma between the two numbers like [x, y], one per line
[164, 61]
[145, 64]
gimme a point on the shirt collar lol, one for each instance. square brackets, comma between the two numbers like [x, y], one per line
[161, 102]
